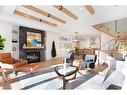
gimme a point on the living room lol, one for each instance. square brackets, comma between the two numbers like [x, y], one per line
[31, 37]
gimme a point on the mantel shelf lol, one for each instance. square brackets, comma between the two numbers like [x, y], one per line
[33, 47]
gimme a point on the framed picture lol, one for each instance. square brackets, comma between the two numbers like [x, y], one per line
[15, 48]
[14, 36]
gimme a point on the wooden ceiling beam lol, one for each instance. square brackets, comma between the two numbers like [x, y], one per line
[34, 18]
[66, 11]
[90, 9]
[40, 11]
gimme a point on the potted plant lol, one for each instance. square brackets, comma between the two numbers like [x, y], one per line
[2, 40]
[53, 52]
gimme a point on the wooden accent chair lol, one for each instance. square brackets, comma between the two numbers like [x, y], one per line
[18, 65]
[3, 70]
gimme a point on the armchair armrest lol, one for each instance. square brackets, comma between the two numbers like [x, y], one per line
[20, 63]
[16, 60]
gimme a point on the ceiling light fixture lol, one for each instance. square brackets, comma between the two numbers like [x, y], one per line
[76, 40]
[81, 8]
[48, 15]
[60, 8]
[100, 26]
[107, 29]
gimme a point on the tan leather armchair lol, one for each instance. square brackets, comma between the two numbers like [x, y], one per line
[18, 65]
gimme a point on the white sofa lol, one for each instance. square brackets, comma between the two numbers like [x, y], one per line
[104, 79]
[118, 76]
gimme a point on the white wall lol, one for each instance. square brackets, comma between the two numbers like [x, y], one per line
[15, 53]
[50, 37]
[53, 36]
[87, 43]
[6, 31]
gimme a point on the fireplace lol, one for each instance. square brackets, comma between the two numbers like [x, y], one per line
[31, 48]
[33, 56]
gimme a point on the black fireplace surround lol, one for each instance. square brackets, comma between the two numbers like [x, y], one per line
[31, 54]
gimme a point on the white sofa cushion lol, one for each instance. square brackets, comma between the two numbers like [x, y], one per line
[4, 65]
[120, 65]
[116, 78]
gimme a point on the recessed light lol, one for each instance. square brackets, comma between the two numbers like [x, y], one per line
[81, 8]
[28, 13]
[65, 15]
[116, 5]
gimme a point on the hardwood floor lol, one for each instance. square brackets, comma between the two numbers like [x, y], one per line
[97, 69]
[43, 65]
[48, 63]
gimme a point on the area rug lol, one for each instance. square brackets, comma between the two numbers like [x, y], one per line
[47, 79]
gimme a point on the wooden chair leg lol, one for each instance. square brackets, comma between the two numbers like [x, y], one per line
[16, 73]
[4, 75]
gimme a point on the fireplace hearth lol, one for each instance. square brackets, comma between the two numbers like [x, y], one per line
[33, 56]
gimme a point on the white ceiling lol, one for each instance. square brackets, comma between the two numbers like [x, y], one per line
[83, 25]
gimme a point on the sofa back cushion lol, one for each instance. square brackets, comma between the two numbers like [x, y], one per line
[6, 58]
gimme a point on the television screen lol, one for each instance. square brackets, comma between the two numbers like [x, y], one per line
[33, 39]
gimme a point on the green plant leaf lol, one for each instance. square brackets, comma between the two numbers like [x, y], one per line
[2, 40]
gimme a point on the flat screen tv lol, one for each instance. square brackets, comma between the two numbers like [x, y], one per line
[34, 39]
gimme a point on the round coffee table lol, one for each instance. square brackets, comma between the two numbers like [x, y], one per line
[64, 73]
